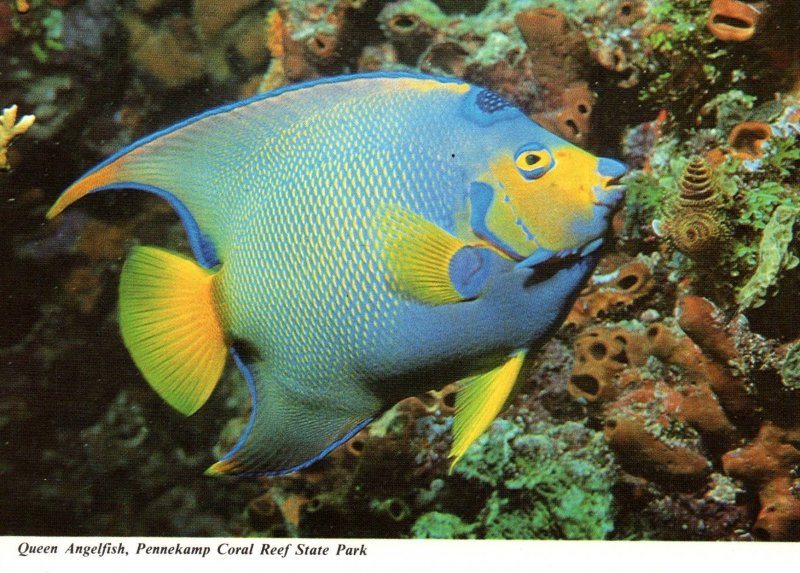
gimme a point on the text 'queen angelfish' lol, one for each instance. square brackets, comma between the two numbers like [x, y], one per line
[366, 238]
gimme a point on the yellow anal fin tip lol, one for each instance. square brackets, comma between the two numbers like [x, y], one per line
[418, 255]
[170, 324]
[82, 187]
[480, 401]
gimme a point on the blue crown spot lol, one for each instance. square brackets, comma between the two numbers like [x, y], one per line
[490, 102]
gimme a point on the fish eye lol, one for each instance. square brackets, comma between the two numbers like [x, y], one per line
[533, 161]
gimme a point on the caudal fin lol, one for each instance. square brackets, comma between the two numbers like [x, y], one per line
[170, 323]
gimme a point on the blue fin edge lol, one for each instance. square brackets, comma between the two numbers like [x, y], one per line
[267, 95]
[201, 245]
[248, 376]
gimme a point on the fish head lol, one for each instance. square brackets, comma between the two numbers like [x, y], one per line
[543, 197]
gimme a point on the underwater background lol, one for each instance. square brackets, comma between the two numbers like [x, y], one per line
[666, 407]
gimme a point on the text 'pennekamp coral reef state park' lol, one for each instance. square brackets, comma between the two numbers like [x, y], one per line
[504, 269]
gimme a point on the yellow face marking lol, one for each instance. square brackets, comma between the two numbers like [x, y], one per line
[542, 211]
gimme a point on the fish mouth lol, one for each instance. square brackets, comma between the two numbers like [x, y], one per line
[545, 257]
[611, 194]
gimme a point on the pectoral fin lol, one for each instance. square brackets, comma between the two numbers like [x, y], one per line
[480, 401]
[428, 264]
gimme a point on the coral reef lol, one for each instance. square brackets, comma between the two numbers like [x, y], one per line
[526, 478]
[749, 161]
[667, 396]
[665, 409]
[217, 40]
[384, 476]
[681, 400]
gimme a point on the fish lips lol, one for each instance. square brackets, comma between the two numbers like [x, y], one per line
[610, 196]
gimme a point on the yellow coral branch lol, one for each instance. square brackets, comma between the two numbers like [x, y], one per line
[9, 129]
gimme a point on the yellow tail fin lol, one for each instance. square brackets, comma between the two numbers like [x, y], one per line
[170, 323]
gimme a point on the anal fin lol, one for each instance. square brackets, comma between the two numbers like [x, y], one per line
[480, 400]
[171, 326]
[286, 431]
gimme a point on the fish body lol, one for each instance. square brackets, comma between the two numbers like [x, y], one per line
[358, 240]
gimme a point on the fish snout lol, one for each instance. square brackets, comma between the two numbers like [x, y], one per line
[610, 192]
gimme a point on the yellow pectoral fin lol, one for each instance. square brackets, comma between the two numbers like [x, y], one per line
[480, 401]
[170, 325]
[417, 254]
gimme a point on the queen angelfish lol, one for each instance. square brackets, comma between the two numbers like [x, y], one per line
[358, 240]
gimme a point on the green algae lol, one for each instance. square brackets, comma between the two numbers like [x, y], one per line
[790, 370]
[437, 525]
[774, 258]
[551, 482]
[425, 10]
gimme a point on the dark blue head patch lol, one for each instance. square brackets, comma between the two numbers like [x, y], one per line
[489, 102]
[485, 107]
